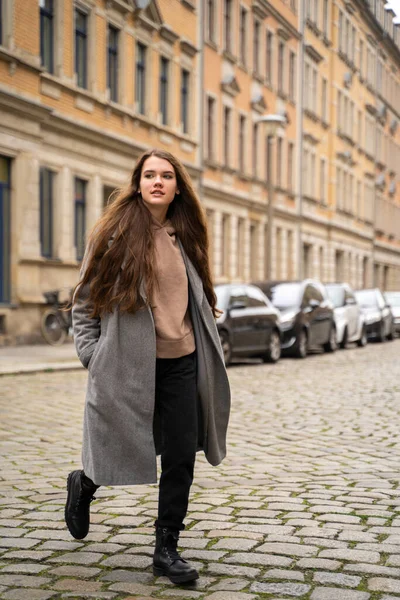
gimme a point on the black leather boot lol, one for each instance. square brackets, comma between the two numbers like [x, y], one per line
[167, 561]
[77, 512]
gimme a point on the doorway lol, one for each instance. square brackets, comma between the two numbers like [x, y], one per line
[5, 226]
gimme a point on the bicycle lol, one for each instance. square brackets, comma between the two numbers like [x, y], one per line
[56, 321]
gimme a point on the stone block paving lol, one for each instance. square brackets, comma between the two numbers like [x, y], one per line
[306, 505]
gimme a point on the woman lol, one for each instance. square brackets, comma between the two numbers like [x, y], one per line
[144, 326]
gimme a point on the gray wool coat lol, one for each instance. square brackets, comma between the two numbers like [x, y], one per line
[120, 432]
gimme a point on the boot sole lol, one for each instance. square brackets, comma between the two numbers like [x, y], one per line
[72, 532]
[176, 578]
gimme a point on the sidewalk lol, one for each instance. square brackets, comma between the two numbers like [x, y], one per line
[28, 359]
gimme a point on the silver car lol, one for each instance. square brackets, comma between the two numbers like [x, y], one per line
[393, 299]
[348, 315]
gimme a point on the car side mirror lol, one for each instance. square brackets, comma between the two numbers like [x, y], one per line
[314, 303]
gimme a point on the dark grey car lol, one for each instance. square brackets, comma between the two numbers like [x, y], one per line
[250, 325]
[378, 314]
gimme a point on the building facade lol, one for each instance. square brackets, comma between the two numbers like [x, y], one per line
[87, 85]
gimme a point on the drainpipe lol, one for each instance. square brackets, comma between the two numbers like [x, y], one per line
[299, 137]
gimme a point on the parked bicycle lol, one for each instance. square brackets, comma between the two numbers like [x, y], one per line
[57, 319]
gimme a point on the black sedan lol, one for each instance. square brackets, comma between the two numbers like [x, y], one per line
[377, 313]
[307, 315]
[249, 325]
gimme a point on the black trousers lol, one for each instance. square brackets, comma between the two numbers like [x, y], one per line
[176, 406]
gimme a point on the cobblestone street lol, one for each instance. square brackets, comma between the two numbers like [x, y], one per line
[306, 505]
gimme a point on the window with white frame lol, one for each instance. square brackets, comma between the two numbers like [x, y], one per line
[323, 181]
[255, 150]
[225, 244]
[226, 135]
[81, 47]
[164, 89]
[185, 95]
[243, 35]
[112, 61]
[281, 67]
[210, 126]
[269, 57]
[140, 78]
[242, 143]
[279, 159]
[46, 212]
[256, 46]
[290, 166]
[324, 99]
[211, 21]
[325, 18]
[228, 25]
[292, 75]
[80, 217]
[46, 13]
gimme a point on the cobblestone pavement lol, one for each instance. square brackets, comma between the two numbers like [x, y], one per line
[307, 505]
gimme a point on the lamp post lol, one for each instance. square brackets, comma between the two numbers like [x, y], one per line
[273, 125]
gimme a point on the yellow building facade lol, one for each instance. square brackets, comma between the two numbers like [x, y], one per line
[87, 85]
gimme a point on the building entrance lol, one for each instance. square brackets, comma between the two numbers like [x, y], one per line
[5, 226]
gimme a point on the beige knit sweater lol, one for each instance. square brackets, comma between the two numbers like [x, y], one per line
[174, 330]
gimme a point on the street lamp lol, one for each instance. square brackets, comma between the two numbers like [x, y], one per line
[274, 125]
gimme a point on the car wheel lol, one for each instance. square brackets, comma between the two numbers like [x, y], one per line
[343, 343]
[301, 344]
[381, 335]
[331, 344]
[363, 339]
[226, 347]
[273, 352]
[391, 335]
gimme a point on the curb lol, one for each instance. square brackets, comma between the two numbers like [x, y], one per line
[40, 368]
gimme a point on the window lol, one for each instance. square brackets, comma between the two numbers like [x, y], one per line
[325, 18]
[255, 148]
[281, 66]
[340, 32]
[322, 181]
[256, 46]
[80, 217]
[46, 212]
[185, 83]
[292, 75]
[290, 166]
[46, 34]
[228, 25]
[225, 244]
[242, 138]
[81, 20]
[112, 62]
[140, 91]
[268, 63]
[210, 127]
[211, 21]
[324, 91]
[240, 248]
[163, 105]
[279, 162]
[243, 35]
[226, 134]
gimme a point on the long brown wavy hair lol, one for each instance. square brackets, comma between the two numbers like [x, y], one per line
[117, 271]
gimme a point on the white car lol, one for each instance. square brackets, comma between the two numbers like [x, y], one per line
[393, 298]
[348, 315]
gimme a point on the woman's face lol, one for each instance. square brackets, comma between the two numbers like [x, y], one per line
[158, 185]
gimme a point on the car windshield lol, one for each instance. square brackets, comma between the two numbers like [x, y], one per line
[222, 293]
[336, 295]
[393, 298]
[367, 298]
[285, 295]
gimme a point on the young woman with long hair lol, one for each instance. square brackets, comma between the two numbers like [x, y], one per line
[144, 326]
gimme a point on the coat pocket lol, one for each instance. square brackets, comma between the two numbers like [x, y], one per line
[94, 355]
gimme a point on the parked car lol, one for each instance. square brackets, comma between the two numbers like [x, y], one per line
[306, 315]
[393, 299]
[250, 325]
[378, 314]
[349, 316]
